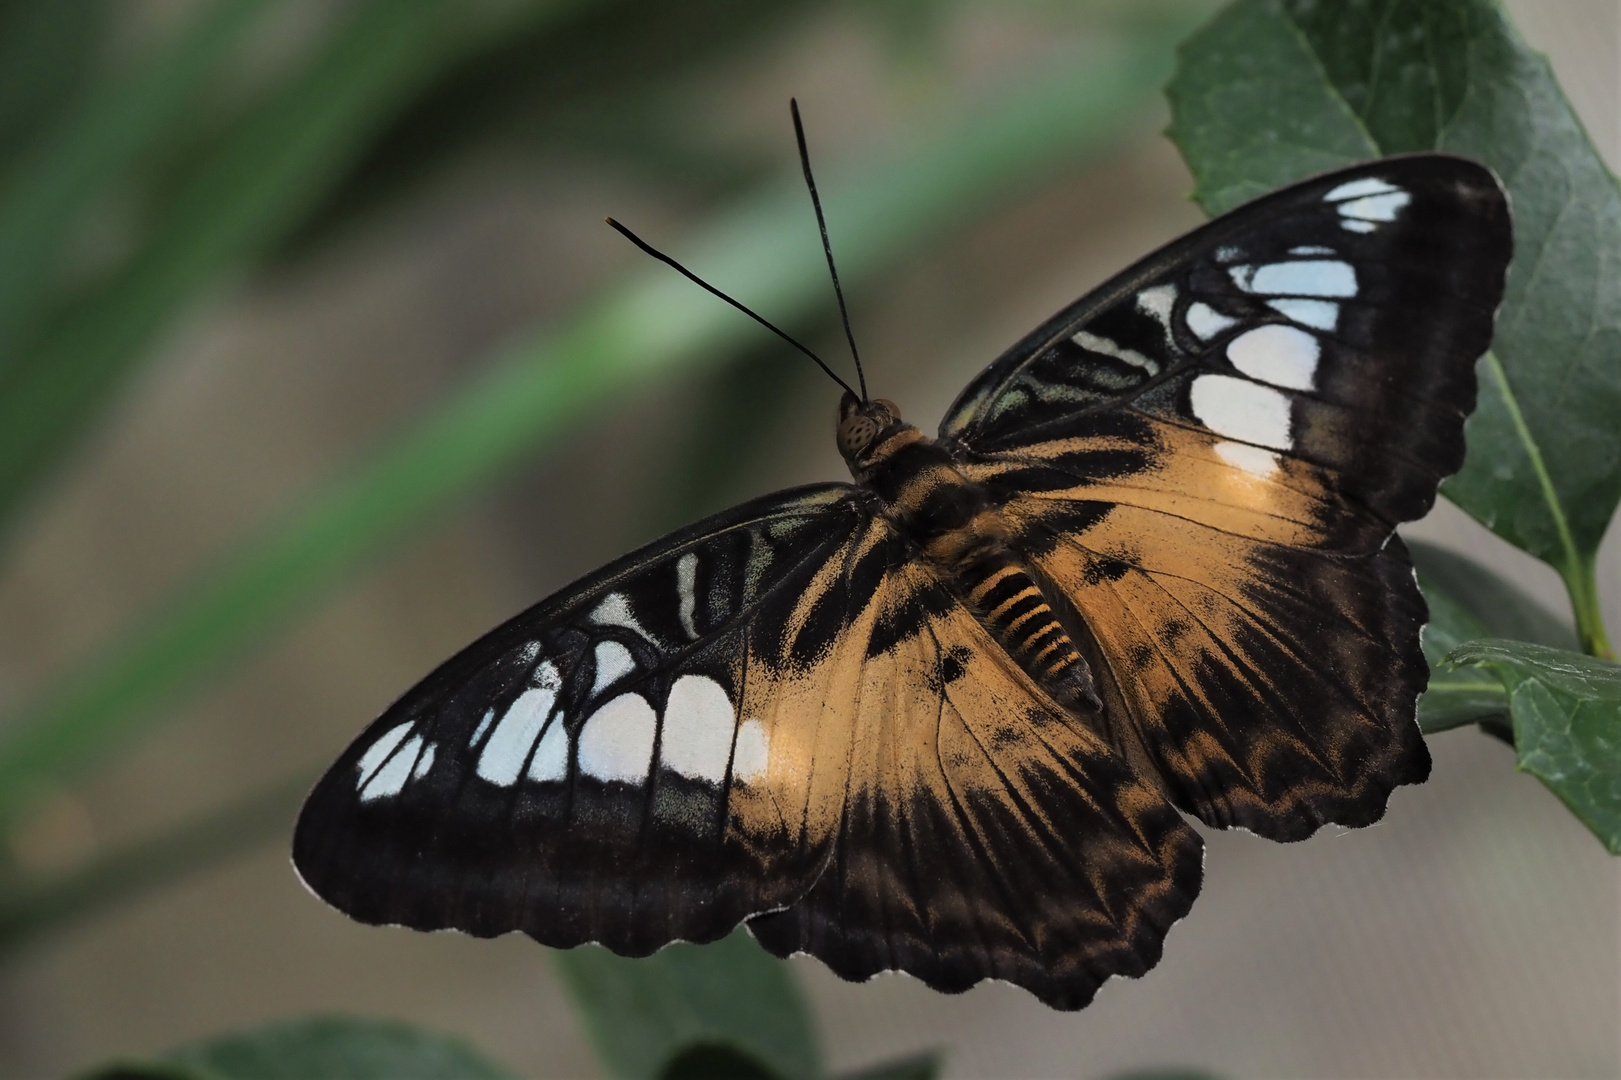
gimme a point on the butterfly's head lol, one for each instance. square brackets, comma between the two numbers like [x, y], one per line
[867, 431]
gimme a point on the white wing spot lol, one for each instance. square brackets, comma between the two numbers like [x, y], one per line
[1108, 348]
[686, 583]
[613, 660]
[1158, 301]
[425, 762]
[1312, 249]
[698, 725]
[1376, 207]
[1319, 314]
[551, 754]
[1281, 355]
[379, 751]
[1206, 321]
[1353, 225]
[615, 611]
[503, 756]
[1227, 253]
[1305, 277]
[1251, 459]
[530, 650]
[392, 776]
[616, 742]
[483, 726]
[752, 753]
[1368, 185]
[1240, 409]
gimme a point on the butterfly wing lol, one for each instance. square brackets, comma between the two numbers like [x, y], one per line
[655, 753]
[983, 835]
[1208, 455]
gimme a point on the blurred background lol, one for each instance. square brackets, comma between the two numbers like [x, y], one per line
[335, 222]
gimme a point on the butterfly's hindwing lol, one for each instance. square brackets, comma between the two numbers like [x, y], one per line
[628, 762]
[983, 834]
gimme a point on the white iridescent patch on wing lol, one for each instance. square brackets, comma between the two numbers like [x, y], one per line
[1158, 301]
[1366, 202]
[613, 660]
[424, 762]
[551, 754]
[1108, 348]
[395, 772]
[616, 742]
[1352, 189]
[615, 611]
[1376, 207]
[1319, 314]
[483, 726]
[379, 751]
[686, 584]
[504, 754]
[698, 724]
[1312, 249]
[1240, 409]
[1281, 355]
[752, 753]
[1251, 459]
[1305, 277]
[1206, 322]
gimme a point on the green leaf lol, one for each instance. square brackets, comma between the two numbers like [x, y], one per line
[1501, 608]
[643, 1014]
[249, 192]
[1273, 90]
[1455, 698]
[713, 1061]
[633, 335]
[1567, 724]
[321, 1048]
[1468, 602]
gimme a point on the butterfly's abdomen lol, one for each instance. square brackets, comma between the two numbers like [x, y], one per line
[958, 529]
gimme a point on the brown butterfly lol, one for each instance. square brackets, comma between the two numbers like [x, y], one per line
[943, 719]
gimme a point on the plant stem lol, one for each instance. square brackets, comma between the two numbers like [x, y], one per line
[1582, 584]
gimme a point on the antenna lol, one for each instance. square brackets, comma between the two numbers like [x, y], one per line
[701, 283]
[827, 248]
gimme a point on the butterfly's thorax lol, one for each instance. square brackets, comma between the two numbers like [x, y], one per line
[960, 531]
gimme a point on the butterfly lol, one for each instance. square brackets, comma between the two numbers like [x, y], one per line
[948, 717]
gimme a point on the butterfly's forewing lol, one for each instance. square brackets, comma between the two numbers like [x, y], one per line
[982, 834]
[1207, 456]
[656, 753]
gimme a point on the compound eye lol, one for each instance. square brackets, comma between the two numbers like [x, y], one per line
[857, 433]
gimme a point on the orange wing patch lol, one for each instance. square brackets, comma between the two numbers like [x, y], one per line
[1270, 687]
[983, 834]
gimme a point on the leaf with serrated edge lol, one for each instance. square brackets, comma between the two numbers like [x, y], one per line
[1567, 724]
